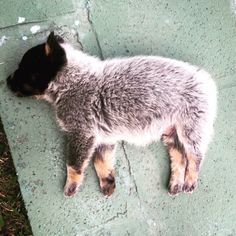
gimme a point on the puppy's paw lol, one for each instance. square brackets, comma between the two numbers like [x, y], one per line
[175, 188]
[189, 186]
[190, 182]
[70, 189]
[108, 185]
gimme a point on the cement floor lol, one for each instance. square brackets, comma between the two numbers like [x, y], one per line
[200, 32]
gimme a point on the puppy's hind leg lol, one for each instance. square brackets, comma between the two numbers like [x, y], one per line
[177, 161]
[104, 165]
[192, 172]
[195, 125]
[195, 134]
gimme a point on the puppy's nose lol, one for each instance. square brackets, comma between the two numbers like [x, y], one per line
[9, 77]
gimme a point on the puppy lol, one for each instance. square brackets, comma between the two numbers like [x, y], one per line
[139, 100]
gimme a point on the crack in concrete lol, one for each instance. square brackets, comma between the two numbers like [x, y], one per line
[88, 11]
[118, 214]
[97, 227]
[141, 207]
[78, 41]
[129, 168]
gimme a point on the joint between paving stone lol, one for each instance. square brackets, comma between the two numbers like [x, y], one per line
[24, 23]
[36, 21]
[87, 7]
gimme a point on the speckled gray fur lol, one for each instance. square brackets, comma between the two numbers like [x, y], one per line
[134, 99]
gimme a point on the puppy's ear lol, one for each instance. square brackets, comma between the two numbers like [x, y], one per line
[53, 44]
[55, 54]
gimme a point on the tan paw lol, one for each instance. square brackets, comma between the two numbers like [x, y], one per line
[108, 185]
[175, 188]
[70, 189]
[189, 186]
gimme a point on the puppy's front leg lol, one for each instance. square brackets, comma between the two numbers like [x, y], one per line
[80, 151]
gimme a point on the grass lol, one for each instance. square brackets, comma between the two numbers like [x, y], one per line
[13, 216]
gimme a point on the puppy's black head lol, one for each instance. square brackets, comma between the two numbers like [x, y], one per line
[38, 67]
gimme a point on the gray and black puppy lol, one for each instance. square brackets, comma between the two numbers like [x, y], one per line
[139, 100]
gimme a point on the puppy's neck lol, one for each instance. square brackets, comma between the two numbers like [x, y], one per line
[79, 65]
[80, 60]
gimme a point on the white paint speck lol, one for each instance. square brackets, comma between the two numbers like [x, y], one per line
[73, 31]
[76, 22]
[34, 29]
[21, 19]
[1, 63]
[3, 40]
[24, 38]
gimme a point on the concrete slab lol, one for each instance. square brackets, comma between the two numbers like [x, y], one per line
[203, 33]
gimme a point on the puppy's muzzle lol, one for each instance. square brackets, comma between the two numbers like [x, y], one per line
[9, 81]
[9, 85]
